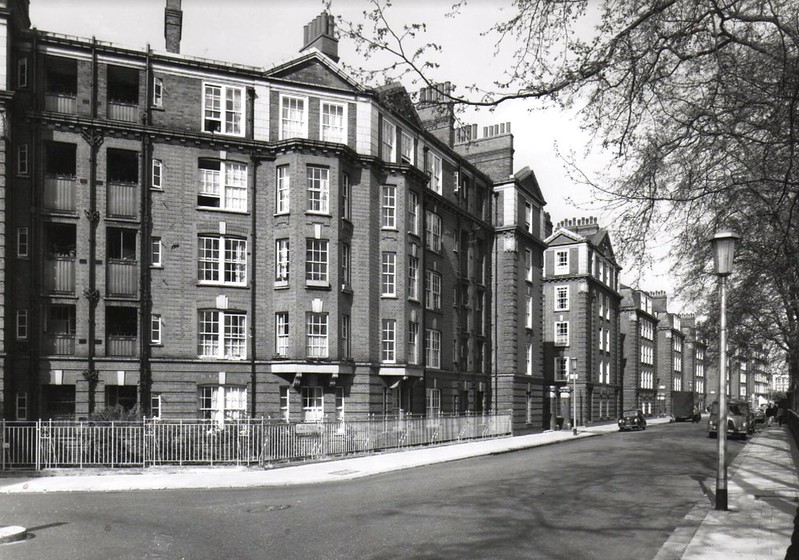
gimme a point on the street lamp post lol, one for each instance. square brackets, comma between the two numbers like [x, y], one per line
[574, 396]
[723, 243]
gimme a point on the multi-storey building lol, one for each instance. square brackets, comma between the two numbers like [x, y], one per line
[638, 326]
[581, 321]
[205, 238]
[758, 368]
[669, 362]
[521, 227]
[694, 356]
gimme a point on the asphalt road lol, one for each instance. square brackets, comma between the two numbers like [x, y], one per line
[616, 496]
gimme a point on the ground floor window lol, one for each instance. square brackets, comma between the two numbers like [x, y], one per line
[223, 402]
[123, 395]
[59, 402]
[284, 403]
[433, 403]
[22, 406]
[313, 409]
[339, 403]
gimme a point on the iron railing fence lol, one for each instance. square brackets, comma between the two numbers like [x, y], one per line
[66, 444]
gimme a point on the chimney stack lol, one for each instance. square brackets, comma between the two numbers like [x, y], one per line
[173, 25]
[321, 34]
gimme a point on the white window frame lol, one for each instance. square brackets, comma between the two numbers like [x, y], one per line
[228, 185]
[528, 264]
[22, 324]
[285, 402]
[157, 175]
[318, 189]
[435, 168]
[23, 161]
[388, 345]
[562, 369]
[156, 329]
[346, 194]
[23, 242]
[528, 359]
[346, 338]
[388, 141]
[313, 403]
[433, 402]
[317, 262]
[528, 216]
[219, 258]
[155, 405]
[406, 148]
[561, 333]
[282, 334]
[340, 402]
[413, 278]
[223, 402]
[282, 189]
[317, 335]
[528, 312]
[433, 231]
[432, 348]
[293, 120]
[282, 262]
[388, 274]
[561, 298]
[388, 205]
[227, 339]
[331, 131]
[346, 266]
[158, 91]
[413, 342]
[413, 213]
[562, 264]
[229, 119]
[156, 252]
[432, 290]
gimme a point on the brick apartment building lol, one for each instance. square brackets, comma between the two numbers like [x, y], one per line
[581, 321]
[694, 358]
[215, 240]
[669, 347]
[638, 326]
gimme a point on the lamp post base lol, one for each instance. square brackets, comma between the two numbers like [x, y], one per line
[721, 499]
[574, 431]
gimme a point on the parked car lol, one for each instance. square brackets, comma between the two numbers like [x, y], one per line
[759, 416]
[739, 420]
[632, 420]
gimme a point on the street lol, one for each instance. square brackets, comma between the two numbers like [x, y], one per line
[615, 496]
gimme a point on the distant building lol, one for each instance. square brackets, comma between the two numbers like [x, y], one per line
[581, 321]
[638, 326]
[694, 360]
[669, 362]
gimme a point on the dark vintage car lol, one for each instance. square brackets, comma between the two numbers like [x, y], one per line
[632, 420]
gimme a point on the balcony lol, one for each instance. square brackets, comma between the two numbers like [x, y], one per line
[122, 280]
[121, 111]
[123, 200]
[59, 193]
[561, 340]
[121, 345]
[59, 274]
[60, 103]
[59, 344]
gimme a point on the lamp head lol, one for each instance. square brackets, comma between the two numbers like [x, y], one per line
[724, 243]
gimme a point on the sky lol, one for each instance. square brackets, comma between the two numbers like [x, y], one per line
[263, 33]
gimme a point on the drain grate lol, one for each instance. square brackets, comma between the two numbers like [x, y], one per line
[345, 472]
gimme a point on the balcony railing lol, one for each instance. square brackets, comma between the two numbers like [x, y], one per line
[59, 274]
[123, 200]
[122, 278]
[60, 344]
[120, 111]
[121, 345]
[60, 102]
[59, 193]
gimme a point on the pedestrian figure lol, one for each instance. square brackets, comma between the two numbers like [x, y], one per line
[780, 415]
[769, 414]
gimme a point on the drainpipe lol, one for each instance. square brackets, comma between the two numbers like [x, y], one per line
[252, 250]
[145, 303]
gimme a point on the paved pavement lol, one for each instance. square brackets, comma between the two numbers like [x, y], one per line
[763, 488]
